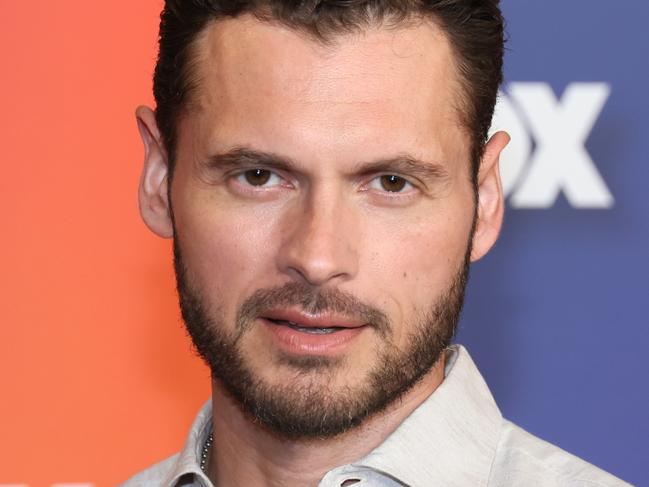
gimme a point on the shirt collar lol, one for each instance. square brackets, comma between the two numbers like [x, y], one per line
[451, 439]
[188, 461]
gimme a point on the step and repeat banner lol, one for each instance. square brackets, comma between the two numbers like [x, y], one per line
[97, 378]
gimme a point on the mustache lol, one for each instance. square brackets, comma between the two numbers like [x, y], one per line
[311, 301]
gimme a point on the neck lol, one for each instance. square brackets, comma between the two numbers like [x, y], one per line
[247, 454]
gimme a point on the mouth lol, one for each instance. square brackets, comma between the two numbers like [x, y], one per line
[308, 329]
[325, 334]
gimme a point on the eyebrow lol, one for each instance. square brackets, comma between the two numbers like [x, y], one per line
[245, 157]
[400, 164]
[408, 165]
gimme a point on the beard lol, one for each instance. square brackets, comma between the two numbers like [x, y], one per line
[312, 407]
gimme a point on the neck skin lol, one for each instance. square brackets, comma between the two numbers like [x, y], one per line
[247, 454]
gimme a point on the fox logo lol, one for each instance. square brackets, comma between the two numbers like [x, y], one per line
[559, 162]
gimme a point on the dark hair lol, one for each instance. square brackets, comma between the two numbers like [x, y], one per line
[474, 28]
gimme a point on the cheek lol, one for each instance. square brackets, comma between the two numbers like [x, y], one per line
[416, 261]
[436, 249]
[225, 251]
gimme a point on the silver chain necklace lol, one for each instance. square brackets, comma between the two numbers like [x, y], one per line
[206, 451]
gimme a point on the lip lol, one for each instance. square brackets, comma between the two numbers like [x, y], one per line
[296, 342]
[323, 320]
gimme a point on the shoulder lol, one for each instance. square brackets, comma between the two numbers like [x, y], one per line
[524, 459]
[154, 475]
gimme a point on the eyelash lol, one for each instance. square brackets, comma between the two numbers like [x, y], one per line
[241, 179]
[376, 183]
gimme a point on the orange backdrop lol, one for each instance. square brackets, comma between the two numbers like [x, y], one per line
[97, 378]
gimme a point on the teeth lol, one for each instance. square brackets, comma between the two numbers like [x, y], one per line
[312, 331]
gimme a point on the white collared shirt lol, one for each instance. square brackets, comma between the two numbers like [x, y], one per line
[457, 437]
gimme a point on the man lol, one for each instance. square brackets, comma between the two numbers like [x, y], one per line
[323, 170]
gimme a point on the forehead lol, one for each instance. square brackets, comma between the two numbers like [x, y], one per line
[262, 83]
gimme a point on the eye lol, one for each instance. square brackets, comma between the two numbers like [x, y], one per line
[259, 177]
[390, 183]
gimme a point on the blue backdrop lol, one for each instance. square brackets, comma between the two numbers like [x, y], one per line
[556, 316]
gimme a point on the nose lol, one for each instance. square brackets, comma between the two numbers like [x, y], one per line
[320, 241]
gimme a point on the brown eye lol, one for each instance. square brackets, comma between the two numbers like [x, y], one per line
[393, 184]
[257, 177]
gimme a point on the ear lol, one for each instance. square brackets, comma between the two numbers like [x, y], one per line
[152, 194]
[491, 203]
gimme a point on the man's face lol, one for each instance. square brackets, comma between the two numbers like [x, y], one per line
[323, 210]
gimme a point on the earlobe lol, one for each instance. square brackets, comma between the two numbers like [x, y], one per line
[153, 195]
[490, 197]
